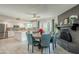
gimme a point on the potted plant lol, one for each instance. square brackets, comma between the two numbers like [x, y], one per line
[72, 19]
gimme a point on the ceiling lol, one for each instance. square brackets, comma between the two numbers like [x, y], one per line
[25, 11]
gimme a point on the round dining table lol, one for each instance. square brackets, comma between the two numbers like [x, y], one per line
[37, 37]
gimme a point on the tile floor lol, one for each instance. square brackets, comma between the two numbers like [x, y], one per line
[13, 46]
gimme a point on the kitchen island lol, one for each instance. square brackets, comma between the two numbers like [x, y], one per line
[20, 35]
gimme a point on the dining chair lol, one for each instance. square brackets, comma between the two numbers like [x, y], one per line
[52, 36]
[45, 42]
[52, 39]
[55, 38]
[31, 41]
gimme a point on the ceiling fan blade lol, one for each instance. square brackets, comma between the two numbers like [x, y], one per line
[34, 15]
[17, 18]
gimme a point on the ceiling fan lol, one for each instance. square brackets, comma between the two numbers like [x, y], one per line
[34, 17]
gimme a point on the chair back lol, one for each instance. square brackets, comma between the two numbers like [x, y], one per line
[56, 36]
[29, 38]
[45, 40]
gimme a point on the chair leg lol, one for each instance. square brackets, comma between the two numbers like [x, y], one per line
[32, 49]
[53, 46]
[28, 47]
[41, 50]
[49, 49]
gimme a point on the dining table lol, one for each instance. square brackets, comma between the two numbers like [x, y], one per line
[37, 37]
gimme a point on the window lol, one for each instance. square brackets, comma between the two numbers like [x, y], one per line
[28, 25]
[45, 26]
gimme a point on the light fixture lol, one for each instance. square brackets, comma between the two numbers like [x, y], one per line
[73, 17]
[17, 18]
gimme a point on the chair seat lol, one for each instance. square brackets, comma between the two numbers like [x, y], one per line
[36, 43]
[51, 40]
[44, 46]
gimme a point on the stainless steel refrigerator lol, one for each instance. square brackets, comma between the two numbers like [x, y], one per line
[3, 31]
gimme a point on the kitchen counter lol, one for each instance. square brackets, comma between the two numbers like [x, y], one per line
[20, 35]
